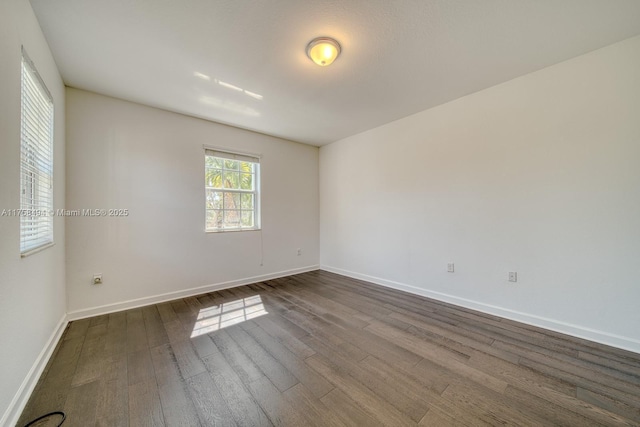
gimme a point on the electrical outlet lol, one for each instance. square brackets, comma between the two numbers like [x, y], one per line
[97, 279]
[299, 251]
[450, 268]
[513, 276]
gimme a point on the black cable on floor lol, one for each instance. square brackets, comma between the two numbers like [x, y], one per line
[64, 417]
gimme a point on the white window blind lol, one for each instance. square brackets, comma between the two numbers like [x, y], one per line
[36, 161]
[232, 185]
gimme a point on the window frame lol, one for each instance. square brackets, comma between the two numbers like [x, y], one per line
[37, 121]
[229, 155]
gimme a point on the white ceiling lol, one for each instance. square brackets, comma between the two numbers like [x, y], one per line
[398, 56]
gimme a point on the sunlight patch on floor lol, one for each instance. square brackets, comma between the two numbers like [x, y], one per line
[217, 317]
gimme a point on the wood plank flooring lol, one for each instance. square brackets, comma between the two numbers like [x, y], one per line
[319, 349]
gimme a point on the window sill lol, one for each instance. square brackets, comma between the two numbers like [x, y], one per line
[233, 230]
[36, 250]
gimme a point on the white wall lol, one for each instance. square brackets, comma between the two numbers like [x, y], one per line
[32, 291]
[150, 161]
[539, 175]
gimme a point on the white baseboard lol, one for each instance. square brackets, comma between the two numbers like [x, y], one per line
[13, 412]
[140, 302]
[618, 341]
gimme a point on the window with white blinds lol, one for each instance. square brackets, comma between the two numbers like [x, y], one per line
[232, 191]
[36, 161]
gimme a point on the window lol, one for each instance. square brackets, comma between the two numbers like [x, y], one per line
[36, 161]
[232, 186]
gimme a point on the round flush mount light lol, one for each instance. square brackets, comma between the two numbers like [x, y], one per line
[323, 50]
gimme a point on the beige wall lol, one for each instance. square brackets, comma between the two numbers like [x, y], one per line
[151, 162]
[32, 289]
[538, 175]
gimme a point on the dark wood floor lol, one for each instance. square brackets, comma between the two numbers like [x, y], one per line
[320, 349]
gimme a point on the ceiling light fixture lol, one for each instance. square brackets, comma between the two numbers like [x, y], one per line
[323, 50]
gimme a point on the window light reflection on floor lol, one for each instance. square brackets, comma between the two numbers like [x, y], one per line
[217, 317]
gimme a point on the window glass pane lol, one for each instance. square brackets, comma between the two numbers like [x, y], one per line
[231, 180]
[247, 201]
[218, 163]
[231, 200]
[214, 199]
[213, 178]
[212, 162]
[231, 164]
[246, 167]
[246, 181]
[214, 219]
[231, 219]
[247, 218]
